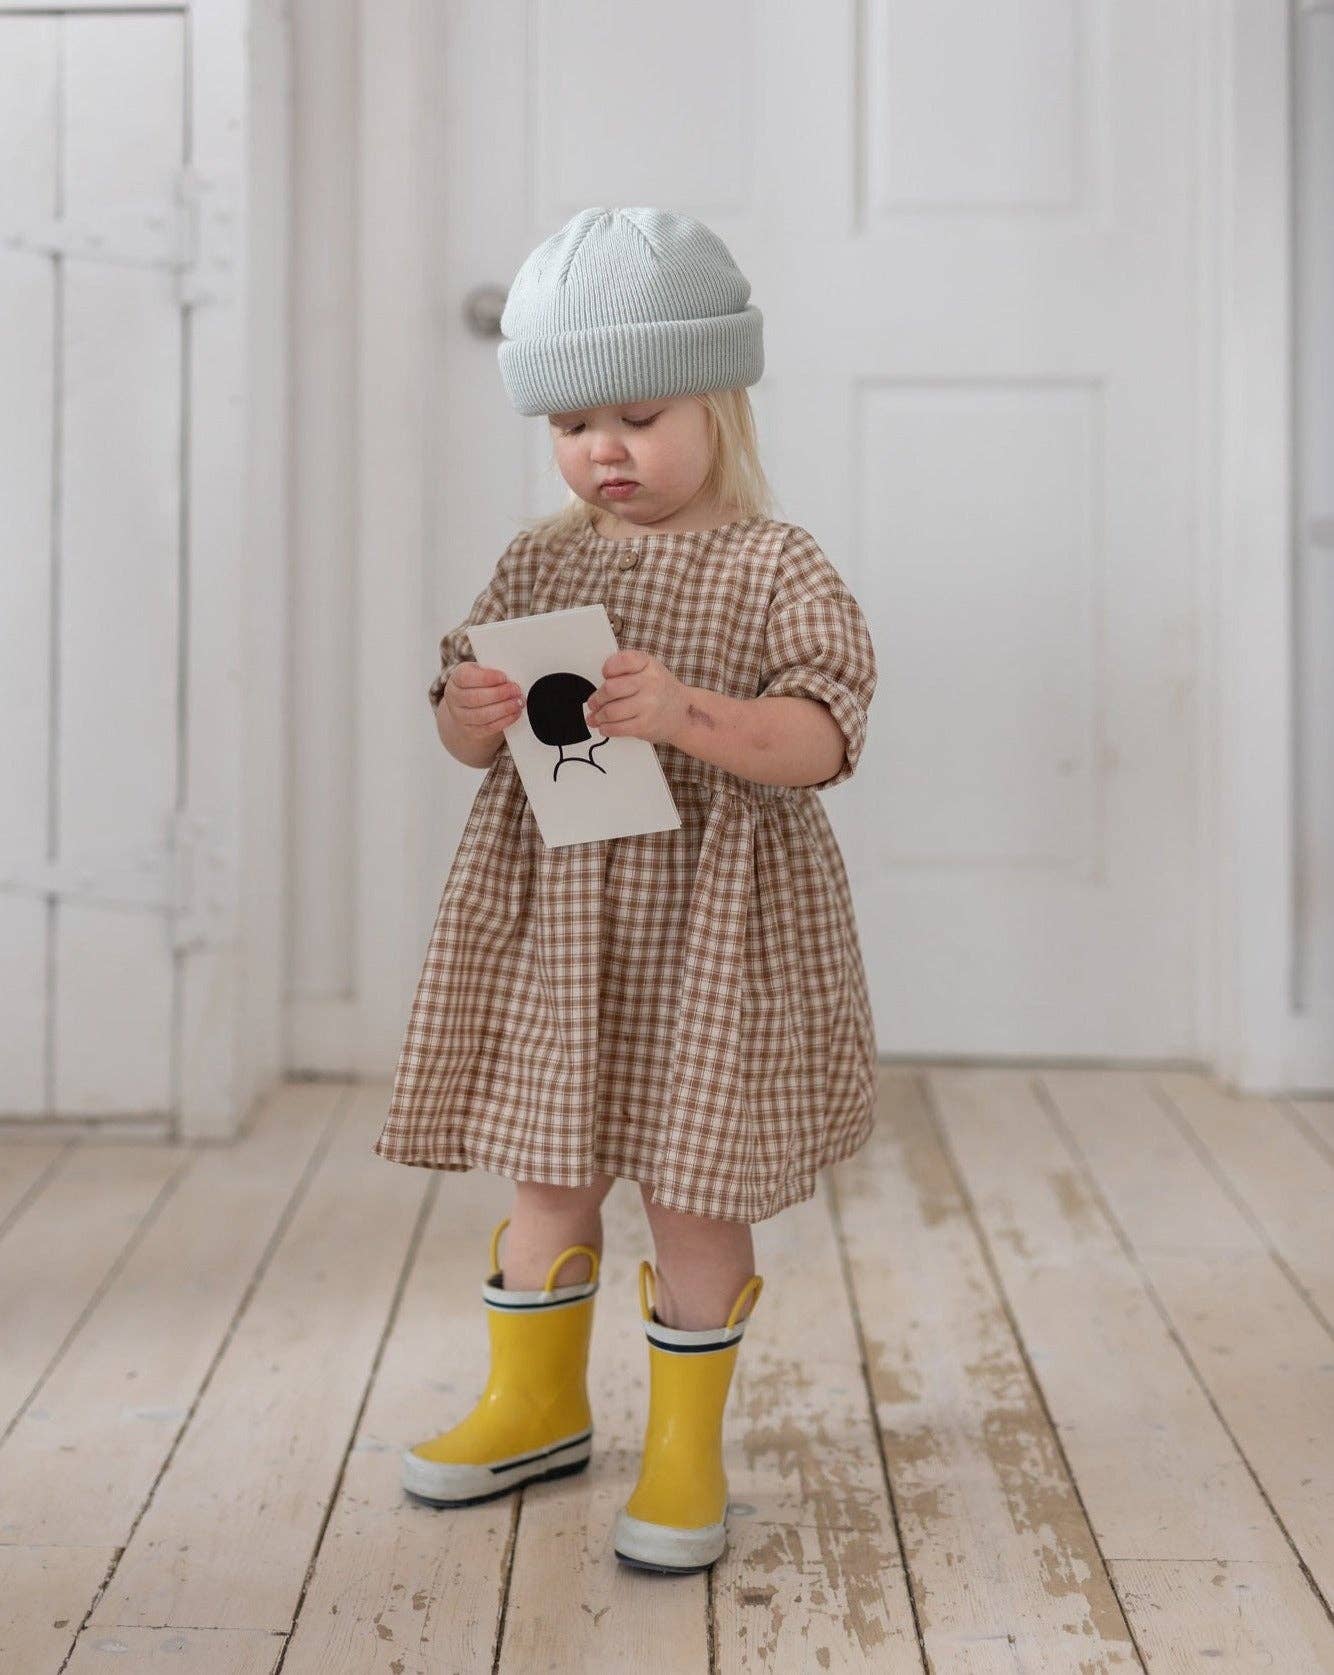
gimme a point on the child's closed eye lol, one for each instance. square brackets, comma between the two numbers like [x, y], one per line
[639, 424]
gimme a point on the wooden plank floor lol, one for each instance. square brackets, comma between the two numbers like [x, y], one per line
[1042, 1380]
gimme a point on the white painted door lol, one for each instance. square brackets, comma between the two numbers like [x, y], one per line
[135, 773]
[91, 122]
[972, 233]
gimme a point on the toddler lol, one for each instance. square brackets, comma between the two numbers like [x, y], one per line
[686, 1009]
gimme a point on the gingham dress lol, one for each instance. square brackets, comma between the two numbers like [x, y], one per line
[688, 1008]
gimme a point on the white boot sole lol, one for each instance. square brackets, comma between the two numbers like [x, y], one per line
[460, 1485]
[660, 1547]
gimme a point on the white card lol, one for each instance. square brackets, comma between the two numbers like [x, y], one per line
[582, 785]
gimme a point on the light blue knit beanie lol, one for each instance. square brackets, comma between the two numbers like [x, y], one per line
[627, 305]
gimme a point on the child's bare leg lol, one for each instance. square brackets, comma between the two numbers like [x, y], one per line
[702, 1263]
[544, 1220]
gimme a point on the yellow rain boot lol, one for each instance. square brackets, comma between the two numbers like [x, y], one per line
[675, 1520]
[532, 1421]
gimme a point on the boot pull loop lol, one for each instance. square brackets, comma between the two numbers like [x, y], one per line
[565, 1255]
[495, 1244]
[753, 1286]
[647, 1281]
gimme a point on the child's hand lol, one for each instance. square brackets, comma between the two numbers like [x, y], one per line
[483, 702]
[639, 699]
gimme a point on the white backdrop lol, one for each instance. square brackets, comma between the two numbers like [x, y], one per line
[378, 807]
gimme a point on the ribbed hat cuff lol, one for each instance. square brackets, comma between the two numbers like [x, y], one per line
[632, 361]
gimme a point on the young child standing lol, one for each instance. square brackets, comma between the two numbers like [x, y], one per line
[686, 1009]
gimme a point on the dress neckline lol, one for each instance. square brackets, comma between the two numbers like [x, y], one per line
[592, 537]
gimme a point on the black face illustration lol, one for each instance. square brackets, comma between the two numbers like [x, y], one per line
[556, 715]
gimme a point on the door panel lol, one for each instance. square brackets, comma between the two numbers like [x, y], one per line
[92, 131]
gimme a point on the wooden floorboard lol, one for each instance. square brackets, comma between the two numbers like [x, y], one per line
[24, 1168]
[1257, 1347]
[1279, 1177]
[233, 1524]
[992, 1523]
[63, 1247]
[77, 1469]
[396, 1581]
[1042, 1380]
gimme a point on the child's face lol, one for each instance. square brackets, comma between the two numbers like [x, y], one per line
[662, 446]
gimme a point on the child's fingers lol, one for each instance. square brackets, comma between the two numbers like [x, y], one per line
[619, 686]
[472, 676]
[482, 699]
[493, 718]
[475, 694]
[621, 709]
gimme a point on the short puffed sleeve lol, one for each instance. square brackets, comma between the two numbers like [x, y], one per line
[817, 645]
[507, 594]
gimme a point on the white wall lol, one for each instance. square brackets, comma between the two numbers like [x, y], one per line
[1313, 134]
[321, 720]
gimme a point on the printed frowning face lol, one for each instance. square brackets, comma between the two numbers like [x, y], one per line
[659, 450]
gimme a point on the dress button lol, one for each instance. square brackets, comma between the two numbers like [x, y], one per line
[628, 559]
[617, 622]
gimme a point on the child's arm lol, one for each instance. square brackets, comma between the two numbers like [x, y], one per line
[774, 741]
[817, 648]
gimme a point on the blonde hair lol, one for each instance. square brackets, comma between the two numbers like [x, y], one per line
[736, 478]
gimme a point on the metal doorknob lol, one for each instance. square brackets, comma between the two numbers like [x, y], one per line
[482, 308]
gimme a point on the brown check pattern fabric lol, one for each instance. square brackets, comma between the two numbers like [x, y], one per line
[687, 1009]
